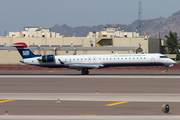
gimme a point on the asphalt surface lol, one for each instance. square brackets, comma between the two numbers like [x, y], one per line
[85, 108]
[88, 85]
[89, 96]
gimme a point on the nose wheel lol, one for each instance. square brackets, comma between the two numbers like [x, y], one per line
[85, 72]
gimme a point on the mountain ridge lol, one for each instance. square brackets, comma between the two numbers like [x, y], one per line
[150, 27]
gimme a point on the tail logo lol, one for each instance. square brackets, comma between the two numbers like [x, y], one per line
[25, 53]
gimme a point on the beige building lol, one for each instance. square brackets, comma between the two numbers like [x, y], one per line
[108, 41]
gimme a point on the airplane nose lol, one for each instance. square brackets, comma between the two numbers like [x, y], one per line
[173, 62]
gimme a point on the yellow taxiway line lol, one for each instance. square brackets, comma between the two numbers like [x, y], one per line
[6, 100]
[116, 103]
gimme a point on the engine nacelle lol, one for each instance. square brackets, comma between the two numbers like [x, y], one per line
[47, 58]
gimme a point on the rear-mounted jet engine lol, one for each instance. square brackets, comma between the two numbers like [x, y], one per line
[47, 58]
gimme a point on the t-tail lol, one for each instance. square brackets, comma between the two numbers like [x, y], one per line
[24, 51]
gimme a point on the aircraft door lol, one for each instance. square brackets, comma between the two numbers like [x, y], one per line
[152, 60]
[166, 62]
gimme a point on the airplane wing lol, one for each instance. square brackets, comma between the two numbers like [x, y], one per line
[75, 66]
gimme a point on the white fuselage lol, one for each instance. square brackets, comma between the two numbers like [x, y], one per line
[104, 60]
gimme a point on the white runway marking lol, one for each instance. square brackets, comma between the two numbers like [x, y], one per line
[89, 76]
[132, 97]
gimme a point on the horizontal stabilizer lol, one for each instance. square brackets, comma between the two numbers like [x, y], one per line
[18, 45]
[15, 45]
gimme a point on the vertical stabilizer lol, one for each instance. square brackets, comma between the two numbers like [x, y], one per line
[24, 51]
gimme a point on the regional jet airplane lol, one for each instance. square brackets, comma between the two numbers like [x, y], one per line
[85, 62]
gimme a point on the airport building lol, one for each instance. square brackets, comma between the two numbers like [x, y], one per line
[111, 40]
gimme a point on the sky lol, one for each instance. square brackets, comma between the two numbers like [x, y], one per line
[15, 14]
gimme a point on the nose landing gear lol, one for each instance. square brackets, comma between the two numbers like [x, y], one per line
[84, 72]
[166, 69]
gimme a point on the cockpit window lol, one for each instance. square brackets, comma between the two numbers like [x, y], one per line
[163, 57]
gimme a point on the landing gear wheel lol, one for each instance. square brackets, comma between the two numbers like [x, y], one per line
[87, 72]
[84, 72]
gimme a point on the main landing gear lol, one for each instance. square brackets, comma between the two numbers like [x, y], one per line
[166, 69]
[84, 72]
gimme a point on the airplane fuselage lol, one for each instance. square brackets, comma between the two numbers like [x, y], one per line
[106, 60]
